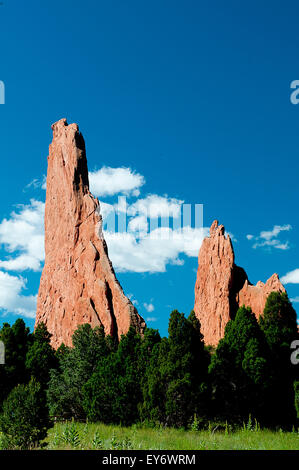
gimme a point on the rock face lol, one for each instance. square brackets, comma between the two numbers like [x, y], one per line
[78, 283]
[256, 296]
[222, 287]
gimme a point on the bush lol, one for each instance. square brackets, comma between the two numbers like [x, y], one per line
[25, 419]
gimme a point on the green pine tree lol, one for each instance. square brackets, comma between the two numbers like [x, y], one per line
[76, 366]
[279, 326]
[25, 418]
[113, 392]
[40, 357]
[176, 378]
[16, 340]
[239, 370]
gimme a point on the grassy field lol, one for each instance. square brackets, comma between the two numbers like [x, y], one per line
[100, 436]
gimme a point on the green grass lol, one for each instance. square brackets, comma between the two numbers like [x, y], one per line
[99, 436]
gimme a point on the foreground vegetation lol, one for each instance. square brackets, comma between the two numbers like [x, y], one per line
[107, 437]
[165, 383]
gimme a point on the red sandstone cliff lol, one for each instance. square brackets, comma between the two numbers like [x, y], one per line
[78, 283]
[221, 286]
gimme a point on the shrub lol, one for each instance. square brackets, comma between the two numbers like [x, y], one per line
[25, 418]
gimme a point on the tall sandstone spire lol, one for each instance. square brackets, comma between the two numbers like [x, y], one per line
[78, 284]
[222, 287]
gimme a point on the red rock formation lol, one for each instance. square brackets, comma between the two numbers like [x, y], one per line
[221, 286]
[213, 283]
[256, 296]
[78, 283]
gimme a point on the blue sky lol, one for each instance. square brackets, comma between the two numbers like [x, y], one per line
[193, 96]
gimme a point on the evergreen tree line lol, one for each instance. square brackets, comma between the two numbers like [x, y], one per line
[167, 381]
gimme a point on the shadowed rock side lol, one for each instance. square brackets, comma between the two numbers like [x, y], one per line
[221, 286]
[78, 283]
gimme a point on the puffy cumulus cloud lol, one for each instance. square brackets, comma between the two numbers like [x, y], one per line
[155, 250]
[154, 206]
[142, 247]
[23, 233]
[110, 181]
[269, 238]
[291, 277]
[138, 224]
[21, 263]
[136, 250]
[11, 298]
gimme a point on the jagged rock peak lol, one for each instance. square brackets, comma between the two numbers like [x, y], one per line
[221, 286]
[216, 229]
[78, 283]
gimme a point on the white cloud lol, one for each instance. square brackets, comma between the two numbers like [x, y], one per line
[151, 319]
[37, 183]
[268, 238]
[11, 300]
[143, 211]
[154, 206]
[145, 247]
[133, 300]
[106, 209]
[282, 246]
[109, 181]
[21, 263]
[44, 183]
[274, 244]
[33, 184]
[149, 307]
[268, 235]
[295, 299]
[23, 232]
[291, 277]
[231, 236]
[138, 224]
[155, 250]
[137, 250]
